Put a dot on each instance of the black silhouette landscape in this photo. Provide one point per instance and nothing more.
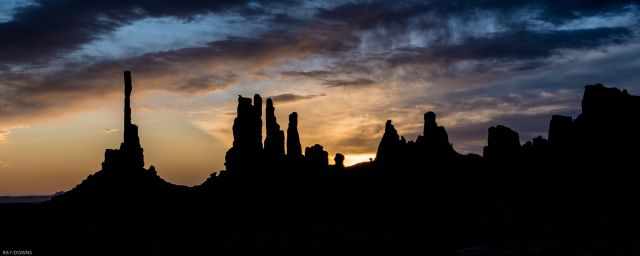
(574, 192)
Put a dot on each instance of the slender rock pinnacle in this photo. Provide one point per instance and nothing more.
(294, 148)
(274, 141)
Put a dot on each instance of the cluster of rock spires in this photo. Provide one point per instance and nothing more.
(606, 129)
(433, 145)
(248, 154)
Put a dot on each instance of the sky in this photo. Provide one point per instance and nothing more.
(345, 66)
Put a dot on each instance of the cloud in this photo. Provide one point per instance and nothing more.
(361, 139)
(111, 130)
(359, 82)
(46, 30)
(208, 82)
(515, 45)
(368, 14)
(290, 97)
(317, 74)
(187, 70)
(3, 135)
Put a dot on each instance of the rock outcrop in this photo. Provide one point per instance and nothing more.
(560, 131)
(274, 140)
(316, 157)
(502, 144)
(123, 178)
(257, 106)
(389, 145)
(247, 135)
(434, 137)
(338, 159)
(294, 148)
(608, 125)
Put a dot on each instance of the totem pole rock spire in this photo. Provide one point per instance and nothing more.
(130, 155)
(128, 87)
(130, 146)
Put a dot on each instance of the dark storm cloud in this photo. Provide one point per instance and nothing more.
(528, 36)
(49, 29)
(291, 97)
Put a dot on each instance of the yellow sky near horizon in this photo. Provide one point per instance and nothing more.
(186, 146)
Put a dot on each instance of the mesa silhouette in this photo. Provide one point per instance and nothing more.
(572, 193)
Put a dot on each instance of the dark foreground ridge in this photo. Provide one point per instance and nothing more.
(574, 193)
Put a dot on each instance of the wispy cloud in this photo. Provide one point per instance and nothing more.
(111, 130)
(358, 82)
(291, 97)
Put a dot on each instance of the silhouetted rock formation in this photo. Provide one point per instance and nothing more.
(274, 141)
(536, 149)
(247, 135)
(123, 176)
(560, 130)
(576, 191)
(600, 102)
(434, 137)
(430, 150)
(317, 157)
(503, 144)
(389, 145)
(608, 125)
(130, 154)
(339, 161)
(257, 105)
(294, 148)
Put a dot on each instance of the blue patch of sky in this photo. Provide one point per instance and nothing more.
(8, 8)
(628, 17)
(167, 33)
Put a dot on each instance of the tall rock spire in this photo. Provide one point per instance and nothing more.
(131, 148)
(130, 155)
(274, 141)
(294, 148)
(128, 87)
(257, 108)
